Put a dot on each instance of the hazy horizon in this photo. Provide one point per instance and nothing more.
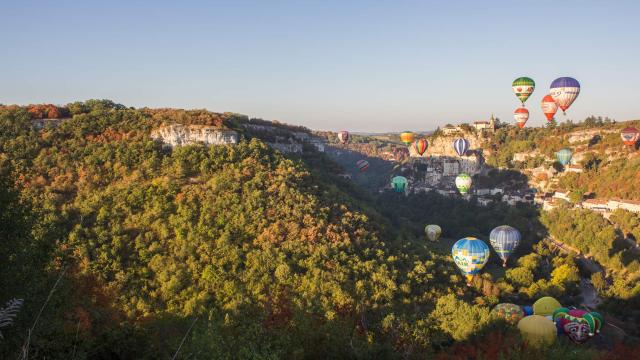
(384, 67)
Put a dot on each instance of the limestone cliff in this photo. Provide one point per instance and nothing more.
(178, 134)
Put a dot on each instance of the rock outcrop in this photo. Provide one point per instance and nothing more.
(178, 134)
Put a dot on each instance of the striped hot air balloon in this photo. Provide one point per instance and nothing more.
(463, 183)
(564, 92)
(523, 87)
(362, 165)
(433, 232)
(470, 254)
(549, 107)
(461, 146)
(399, 184)
(630, 136)
(407, 137)
(564, 156)
(343, 136)
(420, 146)
(504, 239)
(521, 115)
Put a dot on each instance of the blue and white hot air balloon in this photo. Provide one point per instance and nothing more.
(470, 254)
(504, 239)
(564, 91)
(564, 156)
(461, 146)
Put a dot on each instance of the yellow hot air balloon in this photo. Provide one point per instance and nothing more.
(537, 330)
(407, 137)
(545, 306)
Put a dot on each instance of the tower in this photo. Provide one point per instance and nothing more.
(492, 123)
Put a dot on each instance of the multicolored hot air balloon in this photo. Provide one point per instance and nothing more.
(343, 136)
(523, 87)
(538, 331)
(564, 91)
(420, 146)
(461, 146)
(362, 165)
(470, 254)
(521, 115)
(504, 239)
(399, 184)
(564, 156)
(578, 325)
(433, 232)
(512, 313)
(407, 137)
(463, 183)
(549, 107)
(630, 136)
(545, 306)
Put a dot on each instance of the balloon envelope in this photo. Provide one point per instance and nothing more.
(523, 88)
(545, 306)
(362, 165)
(461, 146)
(407, 137)
(463, 183)
(564, 156)
(504, 239)
(470, 255)
(578, 325)
(630, 136)
(433, 232)
(399, 184)
(538, 330)
(343, 136)
(564, 91)
(549, 107)
(420, 146)
(512, 313)
(521, 115)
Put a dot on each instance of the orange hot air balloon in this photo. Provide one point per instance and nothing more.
(521, 115)
(407, 137)
(549, 107)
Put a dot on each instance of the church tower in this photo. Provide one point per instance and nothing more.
(492, 123)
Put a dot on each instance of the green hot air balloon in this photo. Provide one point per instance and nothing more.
(523, 87)
(463, 183)
(433, 232)
(399, 184)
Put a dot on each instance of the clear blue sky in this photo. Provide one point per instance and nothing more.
(358, 65)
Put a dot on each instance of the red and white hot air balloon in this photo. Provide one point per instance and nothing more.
(630, 136)
(549, 107)
(521, 115)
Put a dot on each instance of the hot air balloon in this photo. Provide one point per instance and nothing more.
(463, 183)
(399, 184)
(564, 156)
(523, 87)
(433, 232)
(512, 313)
(343, 136)
(521, 115)
(545, 306)
(362, 165)
(578, 325)
(420, 146)
(537, 330)
(461, 146)
(549, 107)
(505, 240)
(630, 136)
(407, 137)
(564, 91)
(470, 254)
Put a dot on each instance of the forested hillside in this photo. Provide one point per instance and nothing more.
(134, 250)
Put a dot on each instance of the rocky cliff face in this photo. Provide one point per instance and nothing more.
(443, 145)
(177, 134)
